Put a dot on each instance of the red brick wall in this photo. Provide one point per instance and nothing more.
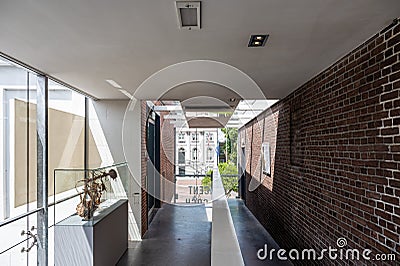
(167, 147)
(336, 165)
(167, 158)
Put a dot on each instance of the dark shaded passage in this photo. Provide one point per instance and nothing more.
(251, 235)
(177, 236)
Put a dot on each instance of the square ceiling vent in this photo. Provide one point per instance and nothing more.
(188, 15)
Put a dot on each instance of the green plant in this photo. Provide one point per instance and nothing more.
(228, 172)
(230, 145)
(207, 180)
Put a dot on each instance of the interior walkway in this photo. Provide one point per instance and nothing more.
(251, 235)
(178, 235)
(181, 235)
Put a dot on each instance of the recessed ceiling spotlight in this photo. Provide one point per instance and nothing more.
(114, 84)
(189, 16)
(258, 40)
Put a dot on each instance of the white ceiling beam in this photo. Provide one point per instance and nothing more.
(165, 108)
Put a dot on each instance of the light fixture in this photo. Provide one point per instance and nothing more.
(258, 40)
(232, 99)
(188, 13)
(113, 83)
(127, 94)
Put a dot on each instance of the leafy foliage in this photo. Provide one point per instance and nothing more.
(228, 172)
(230, 146)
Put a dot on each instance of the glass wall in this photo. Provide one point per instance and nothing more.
(99, 153)
(66, 131)
(17, 163)
(66, 146)
(76, 140)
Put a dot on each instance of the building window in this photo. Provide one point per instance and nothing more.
(195, 137)
(210, 136)
(181, 137)
(210, 154)
(181, 156)
(195, 154)
(181, 170)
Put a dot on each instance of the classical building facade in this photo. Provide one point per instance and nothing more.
(196, 151)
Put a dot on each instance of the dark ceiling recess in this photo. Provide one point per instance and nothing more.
(189, 17)
(258, 40)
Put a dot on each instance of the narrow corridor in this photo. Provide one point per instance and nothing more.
(178, 235)
(251, 235)
(181, 235)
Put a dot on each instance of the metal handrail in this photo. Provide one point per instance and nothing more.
(16, 218)
(13, 246)
(90, 169)
(24, 215)
(65, 199)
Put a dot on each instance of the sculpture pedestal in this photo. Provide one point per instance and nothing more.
(100, 241)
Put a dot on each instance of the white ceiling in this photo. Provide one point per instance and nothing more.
(194, 94)
(83, 43)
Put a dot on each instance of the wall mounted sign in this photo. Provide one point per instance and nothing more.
(266, 158)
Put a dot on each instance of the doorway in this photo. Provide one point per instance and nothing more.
(153, 164)
(242, 180)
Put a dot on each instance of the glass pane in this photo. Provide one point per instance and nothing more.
(14, 256)
(18, 245)
(66, 133)
(68, 199)
(11, 234)
(99, 153)
(18, 139)
(30, 243)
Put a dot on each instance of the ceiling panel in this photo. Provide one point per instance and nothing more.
(84, 43)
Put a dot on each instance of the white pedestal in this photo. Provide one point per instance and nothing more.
(101, 241)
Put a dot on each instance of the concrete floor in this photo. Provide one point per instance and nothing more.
(177, 236)
(251, 235)
(182, 236)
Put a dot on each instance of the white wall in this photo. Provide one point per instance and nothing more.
(110, 117)
(110, 114)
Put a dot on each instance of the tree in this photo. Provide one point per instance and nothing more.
(230, 146)
(229, 177)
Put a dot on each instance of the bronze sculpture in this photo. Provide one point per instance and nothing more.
(93, 189)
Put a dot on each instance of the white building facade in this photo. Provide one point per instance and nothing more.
(196, 151)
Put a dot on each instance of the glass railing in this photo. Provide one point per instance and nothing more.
(18, 245)
(192, 189)
(84, 197)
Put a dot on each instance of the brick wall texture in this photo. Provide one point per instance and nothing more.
(167, 147)
(335, 156)
(167, 157)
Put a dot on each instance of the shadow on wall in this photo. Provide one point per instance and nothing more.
(262, 200)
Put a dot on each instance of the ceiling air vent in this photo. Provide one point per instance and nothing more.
(188, 15)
